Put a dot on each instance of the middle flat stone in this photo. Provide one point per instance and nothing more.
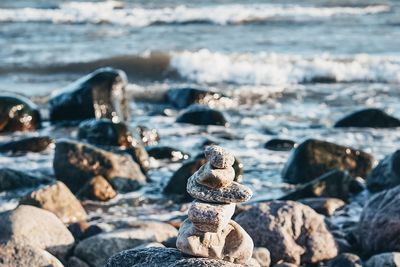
(210, 217)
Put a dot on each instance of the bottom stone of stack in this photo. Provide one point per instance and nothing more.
(232, 244)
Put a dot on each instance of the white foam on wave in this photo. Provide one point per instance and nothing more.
(276, 69)
(116, 13)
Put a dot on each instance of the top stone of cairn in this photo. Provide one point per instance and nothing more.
(218, 157)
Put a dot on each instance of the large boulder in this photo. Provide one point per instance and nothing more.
(201, 115)
(183, 97)
(105, 133)
(379, 225)
(18, 113)
(280, 144)
(389, 259)
(97, 249)
(100, 94)
(334, 184)
(291, 231)
(76, 164)
(28, 225)
(17, 255)
(386, 174)
(24, 145)
(371, 117)
(58, 199)
(11, 179)
(312, 158)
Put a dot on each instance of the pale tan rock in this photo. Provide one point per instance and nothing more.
(232, 244)
(210, 217)
(214, 178)
(219, 157)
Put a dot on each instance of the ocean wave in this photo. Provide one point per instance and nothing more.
(118, 13)
(275, 69)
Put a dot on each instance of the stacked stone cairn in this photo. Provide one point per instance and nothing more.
(209, 231)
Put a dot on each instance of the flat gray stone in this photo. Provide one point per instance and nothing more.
(234, 193)
(210, 217)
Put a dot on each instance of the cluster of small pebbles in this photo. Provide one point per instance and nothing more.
(209, 231)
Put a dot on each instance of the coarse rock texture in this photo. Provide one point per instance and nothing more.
(167, 152)
(219, 157)
(98, 188)
(214, 178)
(346, 260)
(28, 225)
(100, 94)
(334, 184)
(232, 244)
(262, 256)
(202, 262)
(210, 217)
(379, 225)
(200, 115)
(11, 179)
(386, 174)
(23, 255)
(150, 245)
(324, 206)
(18, 113)
(77, 163)
(390, 259)
(291, 231)
(58, 199)
(234, 193)
(280, 144)
(97, 249)
(371, 117)
(154, 257)
(27, 144)
(184, 97)
(105, 132)
(313, 158)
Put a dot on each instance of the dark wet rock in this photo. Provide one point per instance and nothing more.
(262, 256)
(24, 145)
(106, 134)
(390, 259)
(371, 117)
(291, 231)
(155, 257)
(22, 255)
(29, 225)
(18, 113)
(167, 152)
(100, 94)
(183, 97)
(11, 179)
(323, 205)
(280, 144)
(98, 188)
(149, 137)
(345, 260)
(200, 115)
(58, 199)
(76, 164)
(334, 184)
(97, 249)
(234, 193)
(379, 225)
(178, 182)
(386, 174)
(82, 230)
(312, 158)
(76, 262)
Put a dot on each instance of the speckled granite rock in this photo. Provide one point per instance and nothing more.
(215, 178)
(219, 157)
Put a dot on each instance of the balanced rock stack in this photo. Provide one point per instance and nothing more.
(209, 231)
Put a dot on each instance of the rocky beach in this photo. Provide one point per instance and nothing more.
(278, 148)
